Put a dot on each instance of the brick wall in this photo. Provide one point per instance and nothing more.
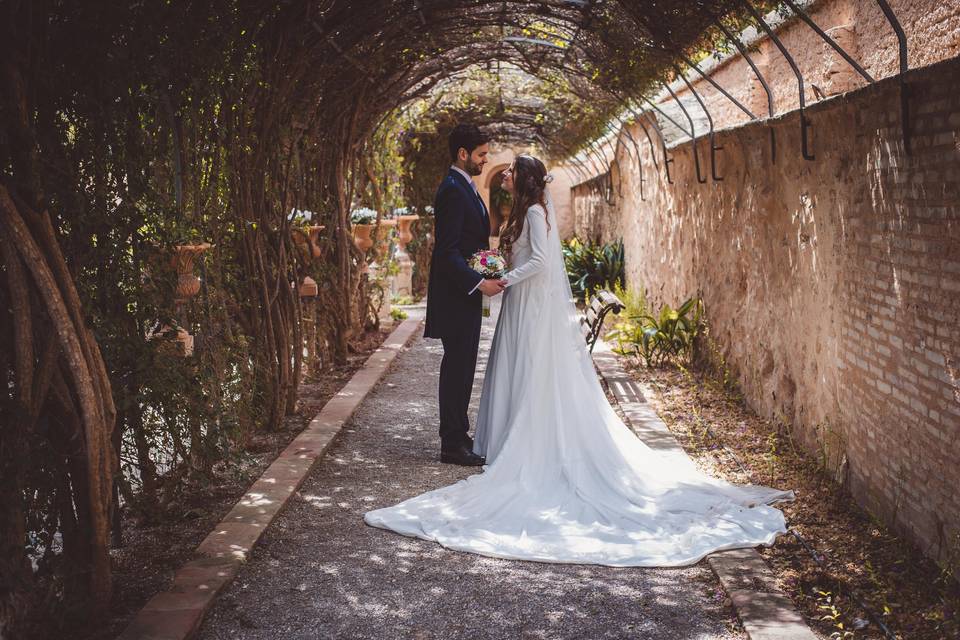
(901, 361)
(832, 286)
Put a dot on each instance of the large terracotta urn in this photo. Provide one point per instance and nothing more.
(307, 241)
(313, 235)
(184, 255)
(403, 283)
(404, 227)
(361, 236)
(188, 285)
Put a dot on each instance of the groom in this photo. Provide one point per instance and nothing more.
(462, 227)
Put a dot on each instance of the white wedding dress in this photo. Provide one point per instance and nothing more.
(566, 480)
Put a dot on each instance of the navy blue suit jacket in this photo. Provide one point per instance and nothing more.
(461, 228)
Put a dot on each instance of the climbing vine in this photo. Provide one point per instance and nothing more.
(128, 130)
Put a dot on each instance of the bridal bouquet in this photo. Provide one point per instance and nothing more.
(491, 265)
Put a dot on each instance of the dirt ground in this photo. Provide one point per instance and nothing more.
(857, 557)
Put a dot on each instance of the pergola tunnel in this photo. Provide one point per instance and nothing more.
(205, 207)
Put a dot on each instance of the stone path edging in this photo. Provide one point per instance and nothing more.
(175, 614)
(765, 611)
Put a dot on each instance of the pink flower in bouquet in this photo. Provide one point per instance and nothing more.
(489, 263)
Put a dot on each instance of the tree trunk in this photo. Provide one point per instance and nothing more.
(87, 377)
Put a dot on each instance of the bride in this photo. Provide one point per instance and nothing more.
(566, 480)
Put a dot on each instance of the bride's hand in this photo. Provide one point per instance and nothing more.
(503, 283)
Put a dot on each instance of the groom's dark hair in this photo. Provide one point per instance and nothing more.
(466, 136)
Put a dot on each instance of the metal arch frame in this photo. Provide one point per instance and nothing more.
(713, 147)
(592, 156)
(667, 160)
(622, 129)
(898, 30)
(904, 67)
(693, 132)
(638, 118)
(598, 154)
(586, 176)
(804, 122)
(803, 15)
(619, 131)
(717, 86)
(771, 108)
(760, 21)
(666, 115)
(578, 166)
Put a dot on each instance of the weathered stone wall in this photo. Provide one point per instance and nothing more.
(832, 286)
(595, 218)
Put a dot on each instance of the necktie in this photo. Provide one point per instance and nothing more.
(483, 207)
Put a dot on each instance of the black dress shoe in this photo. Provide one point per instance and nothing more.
(462, 456)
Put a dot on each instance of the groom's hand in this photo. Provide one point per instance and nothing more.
(491, 287)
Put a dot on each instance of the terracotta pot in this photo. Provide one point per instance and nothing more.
(188, 285)
(314, 238)
(308, 288)
(406, 234)
(307, 240)
(301, 241)
(361, 236)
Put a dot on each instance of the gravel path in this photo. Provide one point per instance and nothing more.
(320, 572)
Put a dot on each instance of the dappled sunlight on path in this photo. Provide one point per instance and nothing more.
(320, 572)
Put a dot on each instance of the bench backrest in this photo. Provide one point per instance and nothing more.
(591, 323)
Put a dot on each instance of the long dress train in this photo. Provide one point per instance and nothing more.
(566, 481)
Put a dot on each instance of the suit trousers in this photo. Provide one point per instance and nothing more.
(457, 371)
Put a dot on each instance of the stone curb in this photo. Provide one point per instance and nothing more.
(176, 614)
(766, 612)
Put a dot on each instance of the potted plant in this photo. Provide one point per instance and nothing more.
(306, 235)
(405, 219)
(362, 221)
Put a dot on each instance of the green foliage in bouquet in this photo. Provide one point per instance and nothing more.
(591, 267)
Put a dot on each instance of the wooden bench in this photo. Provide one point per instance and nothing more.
(591, 323)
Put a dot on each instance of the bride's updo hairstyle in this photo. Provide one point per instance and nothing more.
(529, 184)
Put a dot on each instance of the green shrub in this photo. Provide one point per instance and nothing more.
(655, 339)
(591, 267)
